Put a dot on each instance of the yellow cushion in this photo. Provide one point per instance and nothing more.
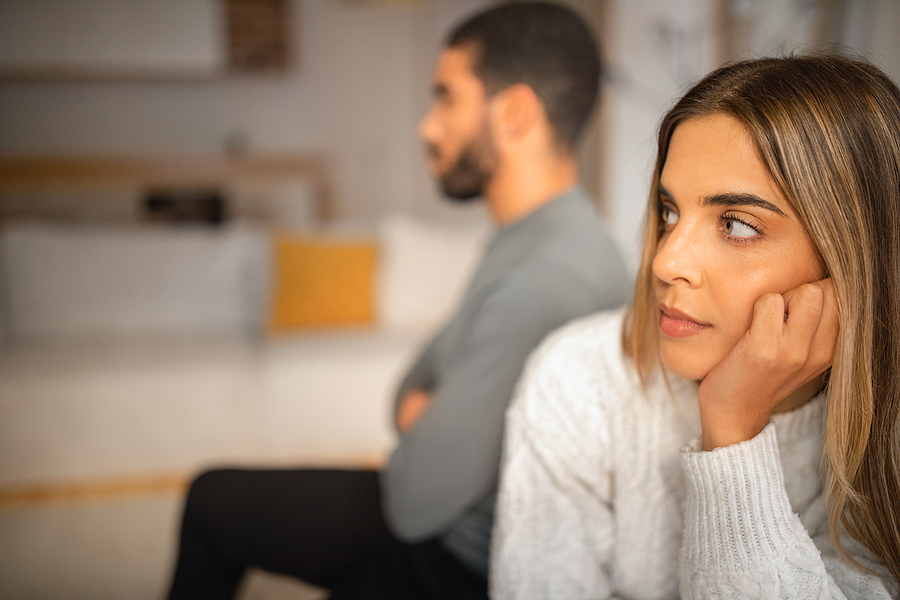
(321, 283)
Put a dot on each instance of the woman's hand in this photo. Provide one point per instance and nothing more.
(790, 343)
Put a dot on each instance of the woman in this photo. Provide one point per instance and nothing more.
(734, 433)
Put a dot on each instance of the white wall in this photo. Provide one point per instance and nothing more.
(884, 36)
(5, 313)
(359, 85)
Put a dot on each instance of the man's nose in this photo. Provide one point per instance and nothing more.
(426, 127)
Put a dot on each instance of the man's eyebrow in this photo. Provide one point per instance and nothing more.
(730, 199)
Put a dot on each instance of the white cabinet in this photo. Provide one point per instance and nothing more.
(112, 38)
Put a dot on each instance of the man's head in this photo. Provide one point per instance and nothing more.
(544, 47)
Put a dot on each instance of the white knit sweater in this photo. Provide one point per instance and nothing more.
(603, 494)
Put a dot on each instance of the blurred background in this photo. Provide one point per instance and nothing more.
(219, 243)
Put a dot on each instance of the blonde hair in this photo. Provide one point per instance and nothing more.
(828, 130)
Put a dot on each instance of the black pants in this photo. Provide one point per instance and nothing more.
(324, 527)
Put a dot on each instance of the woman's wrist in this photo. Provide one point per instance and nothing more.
(721, 427)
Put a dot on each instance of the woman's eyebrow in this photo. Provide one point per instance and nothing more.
(729, 199)
(740, 199)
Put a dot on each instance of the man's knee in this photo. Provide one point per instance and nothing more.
(211, 496)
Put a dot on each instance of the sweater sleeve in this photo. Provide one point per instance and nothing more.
(419, 377)
(449, 460)
(554, 523)
(743, 540)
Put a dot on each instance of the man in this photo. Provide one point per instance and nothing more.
(513, 88)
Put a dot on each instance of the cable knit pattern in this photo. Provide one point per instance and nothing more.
(604, 494)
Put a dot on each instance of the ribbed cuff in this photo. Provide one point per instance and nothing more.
(736, 505)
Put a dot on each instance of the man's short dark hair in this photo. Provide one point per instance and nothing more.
(545, 46)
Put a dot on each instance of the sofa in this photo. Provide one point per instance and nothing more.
(134, 353)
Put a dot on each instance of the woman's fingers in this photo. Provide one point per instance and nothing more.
(764, 339)
(825, 340)
(803, 313)
(811, 325)
(790, 342)
(797, 328)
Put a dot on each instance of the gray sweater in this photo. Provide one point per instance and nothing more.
(553, 265)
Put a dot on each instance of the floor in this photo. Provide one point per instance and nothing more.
(118, 548)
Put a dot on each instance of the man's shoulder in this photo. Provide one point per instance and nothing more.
(550, 275)
(577, 240)
(587, 240)
(586, 264)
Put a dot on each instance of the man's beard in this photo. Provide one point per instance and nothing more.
(473, 170)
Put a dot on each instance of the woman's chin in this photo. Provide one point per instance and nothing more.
(685, 369)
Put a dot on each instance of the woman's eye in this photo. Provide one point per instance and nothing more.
(667, 216)
(737, 229)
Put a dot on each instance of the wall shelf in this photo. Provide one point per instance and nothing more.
(89, 173)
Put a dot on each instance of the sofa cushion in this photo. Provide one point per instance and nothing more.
(424, 269)
(321, 282)
(96, 281)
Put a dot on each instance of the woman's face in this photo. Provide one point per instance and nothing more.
(729, 237)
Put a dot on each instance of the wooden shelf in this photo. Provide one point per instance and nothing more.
(51, 173)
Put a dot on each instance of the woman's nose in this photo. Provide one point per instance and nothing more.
(678, 256)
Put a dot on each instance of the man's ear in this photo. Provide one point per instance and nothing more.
(517, 110)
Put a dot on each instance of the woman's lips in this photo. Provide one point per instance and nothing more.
(676, 324)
